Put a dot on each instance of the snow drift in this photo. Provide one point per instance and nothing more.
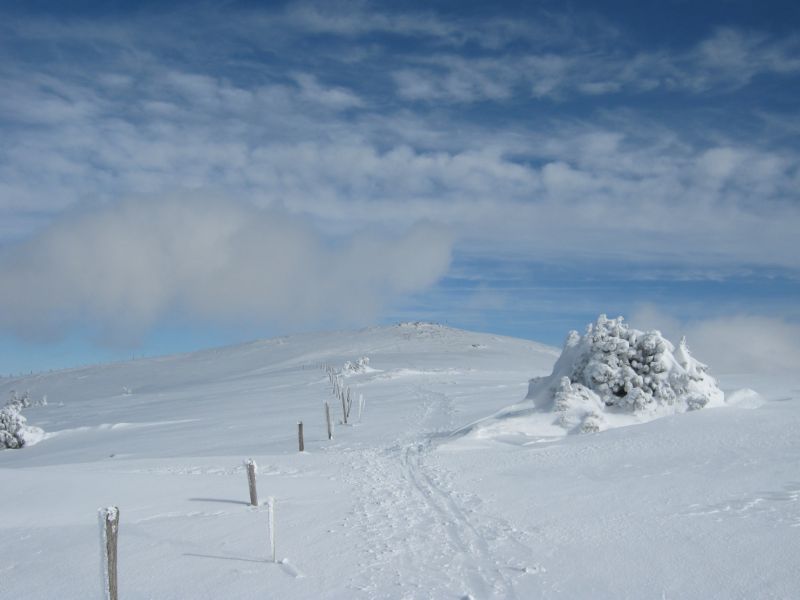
(616, 370)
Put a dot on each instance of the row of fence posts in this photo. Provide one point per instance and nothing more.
(344, 394)
(109, 516)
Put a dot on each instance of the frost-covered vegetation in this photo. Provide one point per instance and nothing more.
(13, 425)
(360, 366)
(616, 369)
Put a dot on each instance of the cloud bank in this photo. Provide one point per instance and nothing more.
(120, 268)
(741, 344)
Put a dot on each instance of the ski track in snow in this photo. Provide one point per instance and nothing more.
(413, 521)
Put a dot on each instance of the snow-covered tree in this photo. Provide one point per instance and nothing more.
(360, 366)
(614, 368)
(22, 401)
(13, 425)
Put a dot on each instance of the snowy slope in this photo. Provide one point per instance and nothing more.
(699, 505)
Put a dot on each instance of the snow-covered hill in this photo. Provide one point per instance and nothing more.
(696, 505)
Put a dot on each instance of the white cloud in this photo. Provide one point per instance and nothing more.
(118, 269)
(738, 344)
(357, 18)
(738, 56)
(354, 18)
(625, 187)
(616, 185)
(335, 98)
(454, 79)
(727, 60)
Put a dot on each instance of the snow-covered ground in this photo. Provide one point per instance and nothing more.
(407, 503)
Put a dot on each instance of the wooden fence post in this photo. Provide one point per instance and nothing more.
(328, 419)
(109, 532)
(344, 408)
(251, 480)
(300, 436)
(271, 504)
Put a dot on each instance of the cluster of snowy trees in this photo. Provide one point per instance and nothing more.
(614, 368)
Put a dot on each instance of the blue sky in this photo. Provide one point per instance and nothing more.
(184, 175)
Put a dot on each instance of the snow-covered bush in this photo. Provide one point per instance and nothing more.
(360, 366)
(614, 369)
(12, 427)
(22, 401)
(14, 431)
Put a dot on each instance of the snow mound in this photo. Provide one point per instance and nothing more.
(423, 330)
(745, 398)
(615, 370)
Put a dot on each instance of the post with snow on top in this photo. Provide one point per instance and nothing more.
(300, 442)
(109, 532)
(271, 505)
(251, 480)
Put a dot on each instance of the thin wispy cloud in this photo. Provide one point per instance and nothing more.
(727, 60)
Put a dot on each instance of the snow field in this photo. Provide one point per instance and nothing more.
(696, 505)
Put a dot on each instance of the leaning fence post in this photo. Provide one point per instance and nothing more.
(344, 408)
(300, 436)
(271, 504)
(109, 530)
(328, 419)
(251, 480)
